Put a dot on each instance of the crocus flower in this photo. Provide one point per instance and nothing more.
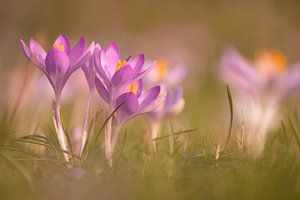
(172, 101)
(58, 64)
(261, 86)
(119, 83)
(90, 73)
(60, 61)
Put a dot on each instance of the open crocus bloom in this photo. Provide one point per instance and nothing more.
(60, 61)
(260, 86)
(115, 74)
(135, 101)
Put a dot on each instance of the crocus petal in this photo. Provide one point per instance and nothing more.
(137, 63)
(172, 100)
(129, 105)
(237, 72)
(82, 60)
(144, 71)
(63, 43)
(109, 58)
(57, 62)
(101, 72)
(139, 87)
(77, 51)
(148, 97)
(89, 72)
(289, 81)
(102, 90)
(122, 76)
(112, 55)
(176, 75)
(38, 54)
(25, 49)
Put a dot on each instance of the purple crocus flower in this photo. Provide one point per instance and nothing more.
(261, 86)
(172, 101)
(119, 83)
(58, 64)
(60, 61)
(90, 73)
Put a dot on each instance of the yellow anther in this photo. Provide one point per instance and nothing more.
(60, 47)
(133, 87)
(272, 61)
(161, 69)
(120, 64)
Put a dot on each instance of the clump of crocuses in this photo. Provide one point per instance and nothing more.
(118, 81)
(120, 84)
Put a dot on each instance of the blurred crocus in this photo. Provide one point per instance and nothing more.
(261, 86)
(90, 74)
(58, 64)
(119, 83)
(172, 101)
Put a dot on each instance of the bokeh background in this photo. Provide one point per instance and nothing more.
(194, 32)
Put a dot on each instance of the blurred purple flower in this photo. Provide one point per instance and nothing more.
(261, 86)
(265, 76)
(60, 61)
(119, 83)
(172, 104)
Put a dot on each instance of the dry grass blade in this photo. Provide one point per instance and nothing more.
(231, 115)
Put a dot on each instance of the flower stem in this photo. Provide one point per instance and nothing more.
(155, 129)
(171, 137)
(59, 128)
(107, 139)
(86, 122)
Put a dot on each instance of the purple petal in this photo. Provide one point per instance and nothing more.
(89, 72)
(25, 49)
(57, 62)
(237, 72)
(129, 105)
(289, 81)
(137, 63)
(77, 51)
(176, 75)
(101, 72)
(112, 55)
(82, 60)
(172, 98)
(102, 91)
(144, 71)
(148, 97)
(139, 87)
(63, 43)
(38, 54)
(122, 76)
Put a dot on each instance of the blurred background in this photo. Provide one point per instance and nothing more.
(193, 32)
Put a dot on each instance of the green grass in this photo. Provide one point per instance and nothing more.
(33, 167)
